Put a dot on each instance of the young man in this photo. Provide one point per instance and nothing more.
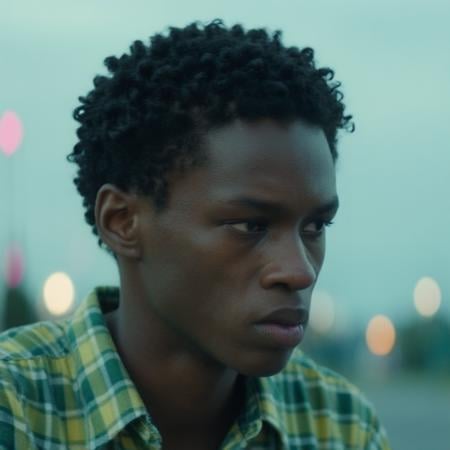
(206, 162)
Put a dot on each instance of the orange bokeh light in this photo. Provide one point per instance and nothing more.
(380, 335)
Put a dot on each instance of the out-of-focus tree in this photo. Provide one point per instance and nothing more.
(17, 308)
(425, 345)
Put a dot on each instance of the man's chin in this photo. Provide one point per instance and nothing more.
(266, 364)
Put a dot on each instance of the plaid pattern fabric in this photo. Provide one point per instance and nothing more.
(63, 386)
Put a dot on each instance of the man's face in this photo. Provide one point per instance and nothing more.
(241, 239)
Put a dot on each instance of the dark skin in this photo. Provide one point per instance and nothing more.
(196, 277)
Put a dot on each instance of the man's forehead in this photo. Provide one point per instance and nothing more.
(263, 133)
(266, 146)
(292, 163)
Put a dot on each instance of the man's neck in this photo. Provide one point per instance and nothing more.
(185, 395)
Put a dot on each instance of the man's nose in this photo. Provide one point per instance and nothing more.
(293, 267)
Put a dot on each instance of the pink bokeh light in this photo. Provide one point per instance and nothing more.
(11, 132)
(14, 266)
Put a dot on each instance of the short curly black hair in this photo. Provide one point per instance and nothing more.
(147, 118)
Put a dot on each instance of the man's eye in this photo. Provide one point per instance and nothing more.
(249, 226)
(316, 227)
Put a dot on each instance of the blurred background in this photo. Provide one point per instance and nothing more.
(381, 311)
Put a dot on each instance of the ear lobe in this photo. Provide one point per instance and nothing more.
(117, 221)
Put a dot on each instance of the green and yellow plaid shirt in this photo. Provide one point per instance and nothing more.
(64, 386)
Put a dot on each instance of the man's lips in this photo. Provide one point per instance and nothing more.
(287, 317)
(283, 328)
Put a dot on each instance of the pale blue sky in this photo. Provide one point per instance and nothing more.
(394, 61)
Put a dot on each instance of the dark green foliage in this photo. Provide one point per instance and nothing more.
(17, 308)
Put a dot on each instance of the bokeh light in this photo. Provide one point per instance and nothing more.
(380, 335)
(11, 132)
(59, 293)
(323, 315)
(14, 266)
(427, 296)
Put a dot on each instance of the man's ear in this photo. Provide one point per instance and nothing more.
(117, 221)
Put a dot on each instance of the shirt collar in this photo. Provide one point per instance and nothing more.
(109, 397)
(263, 406)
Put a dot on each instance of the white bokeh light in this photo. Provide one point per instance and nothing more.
(59, 293)
(323, 314)
(427, 296)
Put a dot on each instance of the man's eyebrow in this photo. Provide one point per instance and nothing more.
(329, 206)
(269, 206)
